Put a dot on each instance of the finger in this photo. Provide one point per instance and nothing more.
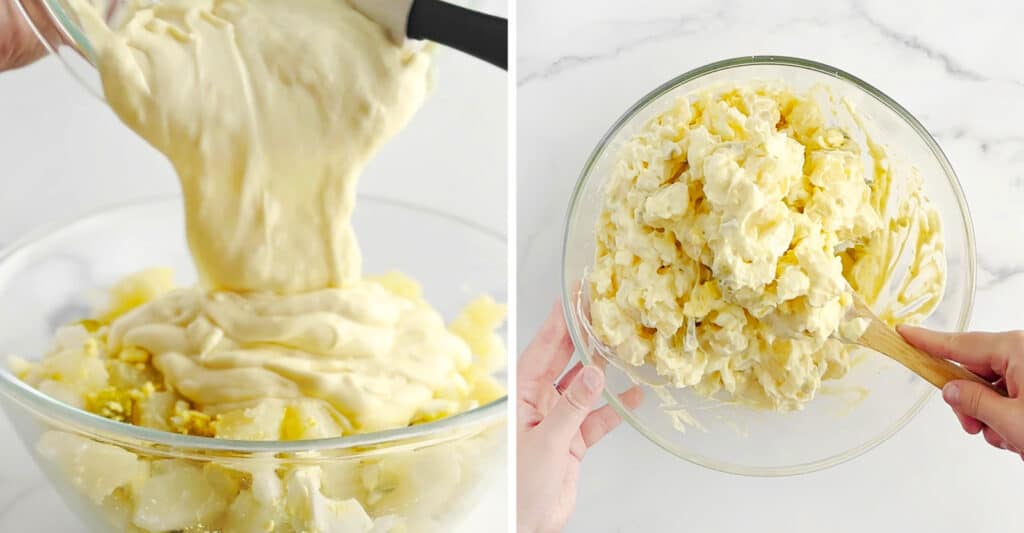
(602, 421)
(982, 403)
(632, 397)
(994, 438)
(985, 354)
(548, 401)
(563, 384)
(527, 416)
(578, 446)
(548, 353)
(598, 424)
(970, 425)
(572, 408)
(598, 359)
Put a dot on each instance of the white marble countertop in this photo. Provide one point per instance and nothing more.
(961, 74)
(64, 153)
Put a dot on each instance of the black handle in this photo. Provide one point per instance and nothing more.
(477, 34)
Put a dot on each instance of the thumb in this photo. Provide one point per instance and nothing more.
(565, 418)
(982, 403)
(983, 353)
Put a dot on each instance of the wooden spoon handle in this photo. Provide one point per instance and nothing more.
(938, 372)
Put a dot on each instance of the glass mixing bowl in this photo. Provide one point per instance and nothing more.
(57, 26)
(425, 477)
(849, 416)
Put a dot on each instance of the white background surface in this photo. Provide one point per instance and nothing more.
(959, 69)
(63, 153)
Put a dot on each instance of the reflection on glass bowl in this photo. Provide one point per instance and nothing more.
(118, 477)
(850, 415)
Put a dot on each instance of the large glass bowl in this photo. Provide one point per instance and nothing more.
(849, 416)
(422, 478)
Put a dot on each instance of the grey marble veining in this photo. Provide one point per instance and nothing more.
(655, 32)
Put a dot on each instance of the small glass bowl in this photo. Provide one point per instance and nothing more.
(56, 25)
(425, 477)
(850, 415)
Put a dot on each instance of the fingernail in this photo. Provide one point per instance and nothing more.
(591, 378)
(951, 393)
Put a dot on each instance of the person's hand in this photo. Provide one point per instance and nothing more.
(555, 426)
(997, 357)
(18, 45)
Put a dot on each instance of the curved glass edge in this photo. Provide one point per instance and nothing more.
(67, 25)
(74, 37)
(69, 36)
(787, 61)
(59, 413)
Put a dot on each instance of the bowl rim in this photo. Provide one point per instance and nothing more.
(68, 34)
(568, 291)
(55, 411)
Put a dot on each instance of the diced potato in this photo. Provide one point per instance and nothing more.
(134, 354)
(86, 374)
(62, 392)
(346, 515)
(309, 510)
(136, 290)
(311, 419)
(117, 508)
(155, 410)
(392, 524)
(399, 284)
(260, 422)
(71, 337)
(20, 366)
(343, 480)
(189, 421)
(179, 495)
(248, 515)
(456, 388)
(266, 485)
(94, 468)
(485, 389)
(223, 480)
(476, 325)
(425, 479)
(435, 409)
(125, 375)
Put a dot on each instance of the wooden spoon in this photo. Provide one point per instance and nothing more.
(883, 339)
